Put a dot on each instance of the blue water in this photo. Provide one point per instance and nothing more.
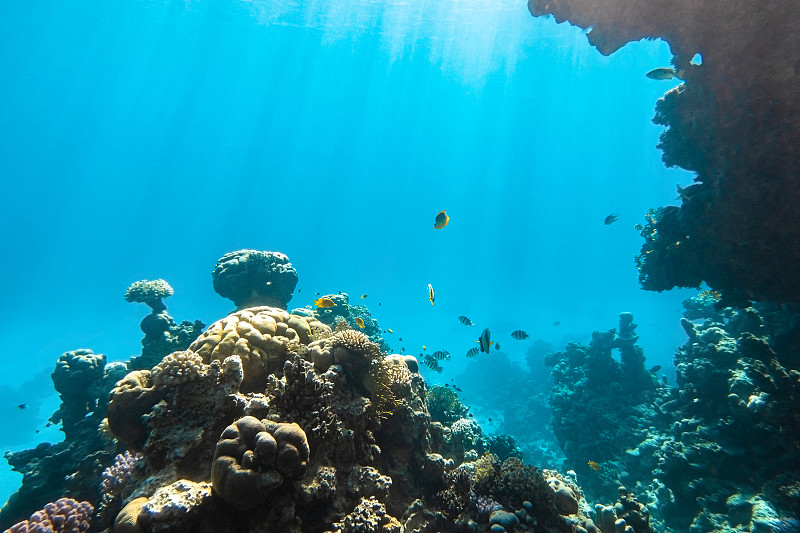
(145, 139)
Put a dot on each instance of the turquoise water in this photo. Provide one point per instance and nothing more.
(147, 139)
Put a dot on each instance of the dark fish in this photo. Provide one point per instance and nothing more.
(441, 354)
(471, 415)
(610, 219)
(431, 293)
(520, 335)
(446, 384)
(556, 323)
(456, 388)
(432, 363)
(664, 73)
(472, 352)
(441, 220)
(466, 321)
(398, 338)
(22, 406)
(655, 368)
(298, 291)
(363, 296)
(317, 294)
(484, 341)
(497, 346)
(490, 420)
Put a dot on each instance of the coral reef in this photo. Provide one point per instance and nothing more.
(161, 334)
(737, 226)
(343, 312)
(252, 278)
(65, 515)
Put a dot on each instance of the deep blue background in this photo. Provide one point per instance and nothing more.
(144, 139)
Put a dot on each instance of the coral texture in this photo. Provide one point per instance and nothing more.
(252, 278)
(65, 515)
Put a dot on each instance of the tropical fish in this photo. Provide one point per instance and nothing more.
(324, 303)
(497, 346)
(484, 341)
(359, 322)
(400, 339)
(22, 406)
(520, 335)
(363, 296)
(472, 352)
(441, 354)
(655, 368)
(431, 293)
(610, 219)
(458, 389)
(665, 73)
(390, 330)
(432, 363)
(594, 466)
(466, 321)
(441, 220)
(423, 347)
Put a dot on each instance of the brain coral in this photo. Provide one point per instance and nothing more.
(253, 278)
(253, 458)
(263, 337)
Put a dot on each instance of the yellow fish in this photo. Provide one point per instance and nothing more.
(593, 465)
(359, 322)
(431, 293)
(324, 303)
(363, 296)
(441, 220)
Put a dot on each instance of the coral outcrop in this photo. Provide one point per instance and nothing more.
(62, 516)
(252, 278)
(737, 226)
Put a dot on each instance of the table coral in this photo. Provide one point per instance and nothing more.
(253, 278)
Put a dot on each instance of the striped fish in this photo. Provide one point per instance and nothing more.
(432, 363)
(440, 354)
(466, 321)
(472, 352)
(484, 341)
(520, 335)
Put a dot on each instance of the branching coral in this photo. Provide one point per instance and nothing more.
(63, 515)
(444, 405)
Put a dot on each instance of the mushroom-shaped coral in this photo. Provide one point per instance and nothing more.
(65, 514)
(253, 458)
(263, 337)
(253, 278)
(151, 293)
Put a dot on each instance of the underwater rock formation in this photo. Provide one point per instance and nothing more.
(161, 334)
(738, 228)
(252, 278)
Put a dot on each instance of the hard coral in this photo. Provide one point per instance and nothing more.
(253, 458)
(252, 278)
(177, 368)
(65, 515)
(151, 293)
(263, 337)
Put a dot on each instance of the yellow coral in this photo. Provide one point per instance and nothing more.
(178, 367)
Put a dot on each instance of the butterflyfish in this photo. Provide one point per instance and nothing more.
(359, 322)
(594, 466)
(441, 220)
(431, 293)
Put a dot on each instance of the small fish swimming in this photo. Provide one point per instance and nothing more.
(665, 73)
(22, 406)
(556, 323)
(423, 347)
(400, 339)
(441, 354)
(484, 341)
(472, 352)
(432, 363)
(610, 219)
(441, 220)
(520, 335)
(466, 321)
(390, 330)
(594, 466)
(497, 346)
(431, 293)
(324, 303)
(655, 369)
(359, 322)
(363, 296)
(456, 388)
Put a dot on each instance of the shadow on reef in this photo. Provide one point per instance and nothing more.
(275, 421)
(717, 453)
(738, 227)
